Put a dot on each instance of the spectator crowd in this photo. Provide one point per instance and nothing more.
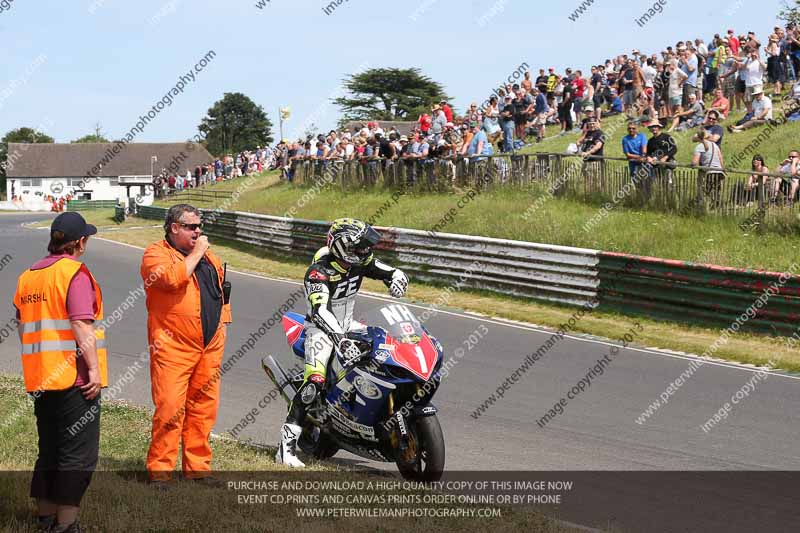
(691, 86)
(222, 168)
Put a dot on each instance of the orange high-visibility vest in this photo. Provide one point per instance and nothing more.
(49, 347)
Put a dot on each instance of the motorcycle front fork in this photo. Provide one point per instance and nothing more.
(403, 440)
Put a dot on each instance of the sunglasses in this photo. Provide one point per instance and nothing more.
(191, 227)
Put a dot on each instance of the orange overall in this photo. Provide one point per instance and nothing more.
(184, 374)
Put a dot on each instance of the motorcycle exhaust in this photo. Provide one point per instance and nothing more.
(279, 377)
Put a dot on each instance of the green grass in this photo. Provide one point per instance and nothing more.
(239, 187)
(499, 213)
(118, 498)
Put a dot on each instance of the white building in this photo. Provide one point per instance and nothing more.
(96, 171)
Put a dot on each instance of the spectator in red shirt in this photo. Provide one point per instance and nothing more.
(448, 111)
(578, 86)
(425, 122)
(734, 43)
(720, 104)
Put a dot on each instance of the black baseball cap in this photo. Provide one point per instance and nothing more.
(72, 226)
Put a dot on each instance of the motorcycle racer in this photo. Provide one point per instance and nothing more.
(331, 284)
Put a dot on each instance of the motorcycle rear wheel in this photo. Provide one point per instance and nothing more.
(429, 463)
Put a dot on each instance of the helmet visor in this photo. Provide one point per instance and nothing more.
(363, 248)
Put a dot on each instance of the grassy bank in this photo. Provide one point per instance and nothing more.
(745, 348)
(500, 213)
(119, 499)
(239, 188)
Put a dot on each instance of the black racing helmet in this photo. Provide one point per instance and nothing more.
(351, 241)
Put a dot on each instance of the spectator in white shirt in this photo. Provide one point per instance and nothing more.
(649, 72)
(762, 112)
(790, 172)
(754, 70)
(702, 49)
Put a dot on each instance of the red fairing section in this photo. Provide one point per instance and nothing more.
(292, 329)
(419, 359)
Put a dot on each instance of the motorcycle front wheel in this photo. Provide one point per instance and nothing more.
(426, 462)
(317, 443)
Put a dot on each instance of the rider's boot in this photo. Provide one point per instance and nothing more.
(287, 449)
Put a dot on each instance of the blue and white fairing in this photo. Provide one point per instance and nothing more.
(402, 353)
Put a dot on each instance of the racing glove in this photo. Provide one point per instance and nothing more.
(399, 284)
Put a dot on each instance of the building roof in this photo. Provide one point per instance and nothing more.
(45, 160)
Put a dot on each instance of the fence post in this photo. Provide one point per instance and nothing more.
(526, 172)
(556, 168)
(700, 196)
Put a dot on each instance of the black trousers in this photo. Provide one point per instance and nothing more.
(69, 442)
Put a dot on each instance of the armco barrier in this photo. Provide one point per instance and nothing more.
(84, 205)
(151, 213)
(699, 293)
(643, 286)
(553, 273)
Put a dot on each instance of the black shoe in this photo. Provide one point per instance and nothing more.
(74, 527)
(207, 481)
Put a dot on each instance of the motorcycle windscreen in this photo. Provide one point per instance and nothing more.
(411, 347)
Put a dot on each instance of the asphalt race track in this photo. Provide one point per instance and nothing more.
(597, 430)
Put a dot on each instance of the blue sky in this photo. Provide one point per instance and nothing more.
(66, 68)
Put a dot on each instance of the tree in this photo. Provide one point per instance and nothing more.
(96, 137)
(790, 13)
(389, 94)
(19, 135)
(91, 138)
(311, 131)
(235, 123)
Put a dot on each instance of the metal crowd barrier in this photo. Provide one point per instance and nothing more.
(672, 188)
(85, 205)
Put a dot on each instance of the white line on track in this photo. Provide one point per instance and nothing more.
(537, 329)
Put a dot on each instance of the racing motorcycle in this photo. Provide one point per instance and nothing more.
(377, 405)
